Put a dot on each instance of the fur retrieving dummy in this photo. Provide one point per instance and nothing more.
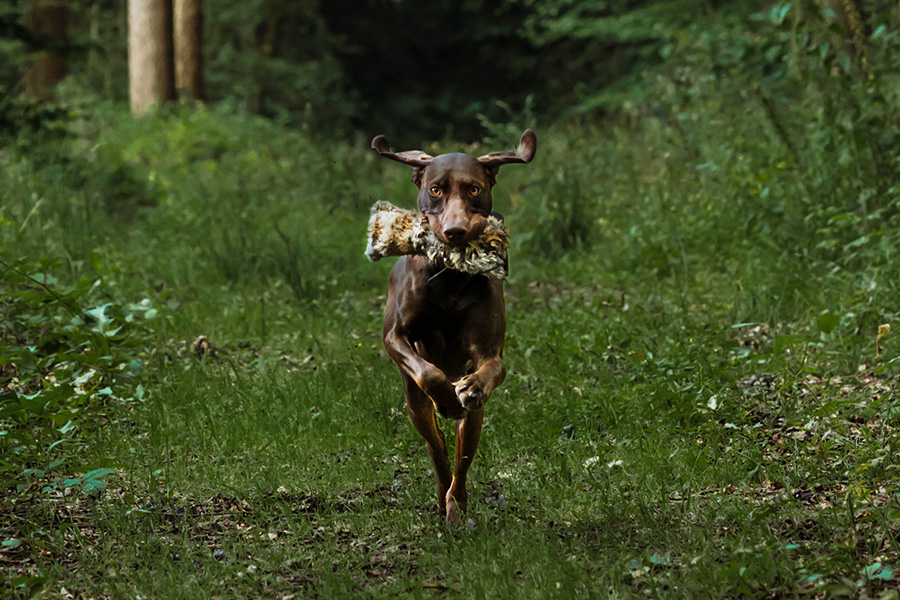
(396, 232)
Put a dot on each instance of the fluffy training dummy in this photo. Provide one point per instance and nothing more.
(397, 232)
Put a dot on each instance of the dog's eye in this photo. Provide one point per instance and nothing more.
(475, 190)
(435, 190)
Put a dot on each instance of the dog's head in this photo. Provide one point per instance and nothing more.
(455, 189)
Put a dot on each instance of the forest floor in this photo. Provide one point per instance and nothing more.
(689, 412)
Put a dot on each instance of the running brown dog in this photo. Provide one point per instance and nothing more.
(445, 329)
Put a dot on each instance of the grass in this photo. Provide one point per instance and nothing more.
(695, 404)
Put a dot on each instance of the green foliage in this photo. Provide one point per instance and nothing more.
(684, 405)
(61, 366)
(13, 53)
(276, 58)
(255, 191)
(702, 341)
(819, 177)
(599, 52)
(830, 119)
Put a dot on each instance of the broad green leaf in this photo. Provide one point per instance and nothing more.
(878, 570)
(843, 60)
(99, 316)
(96, 474)
(827, 322)
(56, 462)
(93, 488)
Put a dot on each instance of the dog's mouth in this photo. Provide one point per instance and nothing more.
(459, 236)
(456, 242)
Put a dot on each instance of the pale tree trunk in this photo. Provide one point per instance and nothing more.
(47, 19)
(150, 63)
(188, 37)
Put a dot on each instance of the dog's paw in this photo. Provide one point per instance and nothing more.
(453, 516)
(470, 393)
(456, 508)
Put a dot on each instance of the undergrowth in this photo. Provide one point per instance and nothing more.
(701, 399)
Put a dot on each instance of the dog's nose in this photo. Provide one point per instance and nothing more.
(455, 233)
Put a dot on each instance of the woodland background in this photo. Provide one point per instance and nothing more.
(702, 398)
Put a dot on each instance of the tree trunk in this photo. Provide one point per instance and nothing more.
(150, 50)
(188, 37)
(47, 19)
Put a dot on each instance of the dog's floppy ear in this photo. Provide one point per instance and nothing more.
(523, 154)
(416, 159)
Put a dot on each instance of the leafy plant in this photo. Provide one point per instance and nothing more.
(61, 364)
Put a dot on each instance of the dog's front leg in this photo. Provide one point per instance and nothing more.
(424, 384)
(428, 377)
(473, 390)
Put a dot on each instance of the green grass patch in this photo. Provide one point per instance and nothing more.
(699, 401)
